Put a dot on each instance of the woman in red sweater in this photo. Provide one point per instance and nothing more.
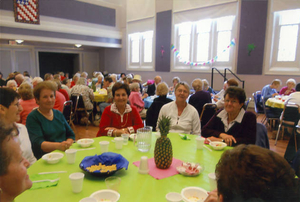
(119, 117)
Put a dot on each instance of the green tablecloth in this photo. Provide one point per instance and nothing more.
(134, 186)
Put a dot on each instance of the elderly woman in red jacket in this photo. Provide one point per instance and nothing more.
(119, 118)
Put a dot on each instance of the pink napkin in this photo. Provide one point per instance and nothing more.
(161, 173)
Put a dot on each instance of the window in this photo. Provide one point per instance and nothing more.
(201, 41)
(141, 50)
(284, 46)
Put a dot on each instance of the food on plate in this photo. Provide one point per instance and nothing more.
(189, 169)
(105, 200)
(102, 168)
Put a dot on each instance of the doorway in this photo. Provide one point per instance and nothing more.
(53, 63)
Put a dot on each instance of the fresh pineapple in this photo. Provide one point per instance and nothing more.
(163, 154)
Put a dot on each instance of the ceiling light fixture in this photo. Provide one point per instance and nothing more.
(78, 45)
(19, 41)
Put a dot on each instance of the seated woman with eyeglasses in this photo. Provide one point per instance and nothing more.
(184, 117)
(233, 124)
(119, 117)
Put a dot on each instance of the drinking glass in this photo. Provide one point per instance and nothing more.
(144, 137)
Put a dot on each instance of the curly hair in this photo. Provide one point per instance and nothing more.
(119, 85)
(26, 91)
(252, 172)
(236, 92)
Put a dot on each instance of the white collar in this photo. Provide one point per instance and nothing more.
(224, 116)
(114, 109)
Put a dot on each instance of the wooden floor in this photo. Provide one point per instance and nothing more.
(280, 148)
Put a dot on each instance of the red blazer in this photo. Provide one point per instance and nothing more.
(109, 118)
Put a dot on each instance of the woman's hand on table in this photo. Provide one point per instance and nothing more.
(212, 196)
(118, 132)
(212, 138)
(274, 94)
(227, 138)
(63, 146)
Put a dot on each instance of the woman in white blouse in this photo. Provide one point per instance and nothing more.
(184, 117)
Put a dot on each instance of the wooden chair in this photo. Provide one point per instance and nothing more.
(209, 109)
(68, 113)
(289, 118)
(270, 116)
(80, 108)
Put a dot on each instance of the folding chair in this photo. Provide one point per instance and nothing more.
(289, 118)
(270, 116)
(257, 106)
(80, 108)
(262, 138)
(68, 113)
(209, 109)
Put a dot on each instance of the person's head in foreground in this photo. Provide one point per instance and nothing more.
(234, 99)
(253, 173)
(13, 167)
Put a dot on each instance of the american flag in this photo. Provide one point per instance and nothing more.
(26, 11)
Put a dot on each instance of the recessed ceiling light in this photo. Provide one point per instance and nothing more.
(19, 41)
(78, 45)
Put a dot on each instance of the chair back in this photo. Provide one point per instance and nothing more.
(209, 109)
(68, 110)
(257, 102)
(78, 102)
(290, 113)
(262, 139)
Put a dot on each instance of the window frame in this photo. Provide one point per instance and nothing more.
(271, 65)
(141, 65)
(180, 67)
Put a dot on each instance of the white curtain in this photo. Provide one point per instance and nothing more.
(203, 13)
(183, 5)
(140, 25)
(280, 5)
(140, 9)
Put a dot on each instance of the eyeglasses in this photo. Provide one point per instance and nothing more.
(232, 101)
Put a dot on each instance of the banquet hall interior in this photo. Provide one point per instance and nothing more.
(251, 41)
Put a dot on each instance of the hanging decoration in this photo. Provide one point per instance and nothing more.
(214, 59)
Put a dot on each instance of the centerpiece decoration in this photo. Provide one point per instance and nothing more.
(163, 153)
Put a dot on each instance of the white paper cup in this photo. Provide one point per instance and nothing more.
(174, 197)
(200, 142)
(125, 138)
(76, 181)
(104, 146)
(71, 155)
(212, 181)
(118, 142)
(144, 168)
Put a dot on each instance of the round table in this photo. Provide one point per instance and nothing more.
(100, 97)
(275, 103)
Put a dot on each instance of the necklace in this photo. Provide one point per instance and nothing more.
(125, 120)
(49, 117)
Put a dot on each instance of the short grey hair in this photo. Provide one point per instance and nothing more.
(176, 78)
(197, 84)
(81, 81)
(37, 79)
(162, 89)
(205, 84)
(84, 74)
(134, 86)
(11, 82)
(291, 81)
(184, 84)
